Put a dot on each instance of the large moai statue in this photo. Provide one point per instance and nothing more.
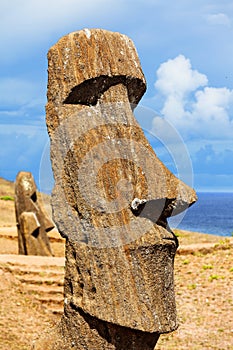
(111, 199)
(32, 220)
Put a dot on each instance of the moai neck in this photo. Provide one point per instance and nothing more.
(111, 199)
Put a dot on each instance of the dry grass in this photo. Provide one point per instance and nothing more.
(204, 292)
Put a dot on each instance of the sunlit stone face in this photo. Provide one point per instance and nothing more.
(112, 195)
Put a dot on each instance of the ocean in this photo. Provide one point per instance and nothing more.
(212, 213)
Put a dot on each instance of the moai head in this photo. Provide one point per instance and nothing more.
(32, 221)
(112, 195)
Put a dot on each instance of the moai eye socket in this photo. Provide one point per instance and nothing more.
(36, 232)
(34, 197)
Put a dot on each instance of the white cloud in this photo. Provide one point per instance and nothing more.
(177, 78)
(213, 103)
(211, 112)
(218, 19)
(196, 110)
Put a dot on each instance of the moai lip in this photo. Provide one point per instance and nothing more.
(112, 197)
(32, 220)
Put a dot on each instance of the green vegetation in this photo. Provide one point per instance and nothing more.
(7, 198)
(220, 330)
(186, 261)
(215, 277)
(198, 254)
(192, 286)
(207, 267)
(178, 234)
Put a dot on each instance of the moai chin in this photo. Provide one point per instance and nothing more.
(32, 220)
(111, 199)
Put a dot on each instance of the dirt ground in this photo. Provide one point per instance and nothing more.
(31, 289)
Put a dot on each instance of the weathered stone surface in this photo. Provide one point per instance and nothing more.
(32, 221)
(79, 330)
(111, 199)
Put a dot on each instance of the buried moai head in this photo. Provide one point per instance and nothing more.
(32, 221)
(112, 195)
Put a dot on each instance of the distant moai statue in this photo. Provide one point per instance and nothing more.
(32, 220)
(111, 199)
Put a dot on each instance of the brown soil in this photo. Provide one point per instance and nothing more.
(31, 289)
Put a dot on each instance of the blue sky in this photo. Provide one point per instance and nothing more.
(186, 51)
